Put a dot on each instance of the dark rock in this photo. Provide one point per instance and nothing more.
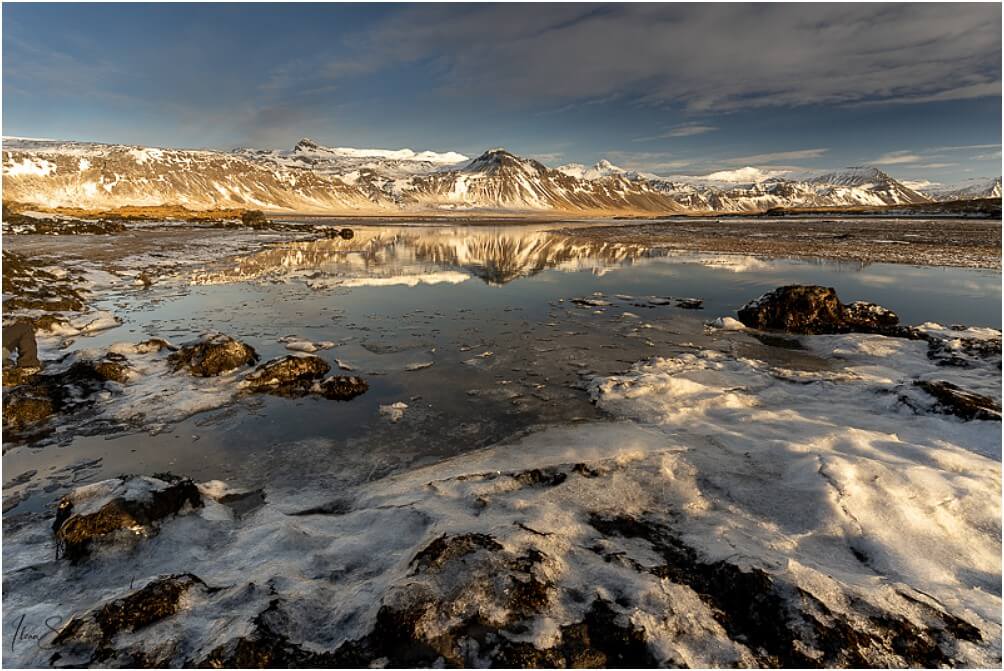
(290, 375)
(445, 548)
(17, 375)
(814, 309)
(796, 309)
(862, 315)
(346, 234)
(50, 322)
(342, 387)
(156, 601)
(26, 406)
(690, 303)
(963, 352)
(213, 354)
(44, 394)
(155, 345)
(98, 510)
(254, 218)
(953, 400)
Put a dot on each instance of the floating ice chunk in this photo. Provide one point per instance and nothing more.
(98, 321)
(395, 411)
(726, 324)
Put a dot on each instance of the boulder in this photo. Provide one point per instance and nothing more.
(341, 387)
(812, 309)
(213, 354)
(290, 375)
(865, 316)
(26, 406)
(88, 637)
(135, 504)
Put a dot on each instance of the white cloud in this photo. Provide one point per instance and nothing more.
(918, 184)
(896, 158)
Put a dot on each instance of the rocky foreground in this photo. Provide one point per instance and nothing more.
(733, 512)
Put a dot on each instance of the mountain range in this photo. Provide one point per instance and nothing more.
(312, 178)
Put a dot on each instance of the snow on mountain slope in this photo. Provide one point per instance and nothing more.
(347, 161)
(88, 175)
(980, 187)
(500, 180)
(313, 178)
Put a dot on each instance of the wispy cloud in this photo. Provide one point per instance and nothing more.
(683, 130)
(647, 161)
(773, 157)
(763, 55)
(896, 158)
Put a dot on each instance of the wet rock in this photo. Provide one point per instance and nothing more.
(690, 303)
(865, 316)
(963, 351)
(28, 286)
(796, 309)
(25, 407)
(814, 309)
(155, 345)
(290, 375)
(136, 504)
(954, 400)
(46, 393)
(213, 354)
(112, 368)
(90, 635)
(51, 323)
(446, 548)
(16, 375)
(342, 387)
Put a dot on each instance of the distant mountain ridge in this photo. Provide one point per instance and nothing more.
(312, 178)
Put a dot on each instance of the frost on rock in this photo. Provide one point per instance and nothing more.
(290, 375)
(213, 354)
(62, 389)
(135, 505)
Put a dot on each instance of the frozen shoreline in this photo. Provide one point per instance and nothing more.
(856, 508)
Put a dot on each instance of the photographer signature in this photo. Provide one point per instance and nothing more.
(23, 633)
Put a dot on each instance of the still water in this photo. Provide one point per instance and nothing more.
(474, 329)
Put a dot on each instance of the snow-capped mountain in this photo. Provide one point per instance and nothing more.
(980, 187)
(346, 160)
(313, 178)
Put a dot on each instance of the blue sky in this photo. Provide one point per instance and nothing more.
(671, 89)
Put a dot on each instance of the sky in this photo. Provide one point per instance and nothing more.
(673, 89)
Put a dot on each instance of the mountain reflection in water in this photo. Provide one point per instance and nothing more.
(417, 255)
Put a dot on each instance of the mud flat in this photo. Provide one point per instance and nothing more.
(967, 243)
